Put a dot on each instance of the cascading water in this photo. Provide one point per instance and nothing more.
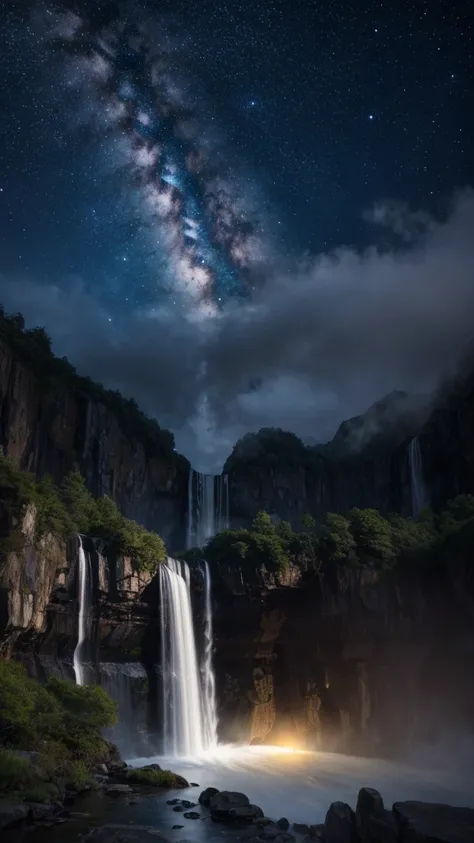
(84, 604)
(208, 507)
(208, 680)
(418, 490)
(184, 718)
(126, 683)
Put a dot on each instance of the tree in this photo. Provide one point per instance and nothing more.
(78, 501)
(373, 536)
(337, 542)
(262, 523)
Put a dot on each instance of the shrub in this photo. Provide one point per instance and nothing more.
(153, 778)
(15, 773)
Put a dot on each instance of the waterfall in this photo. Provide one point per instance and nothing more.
(208, 507)
(183, 706)
(208, 680)
(84, 605)
(418, 491)
(127, 684)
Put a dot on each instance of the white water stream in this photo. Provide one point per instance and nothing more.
(189, 719)
(84, 601)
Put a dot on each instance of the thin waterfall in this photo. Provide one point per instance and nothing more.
(208, 679)
(183, 709)
(84, 606)
(208, 507)
(418, 490)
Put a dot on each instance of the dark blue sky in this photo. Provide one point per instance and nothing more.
(185, 155)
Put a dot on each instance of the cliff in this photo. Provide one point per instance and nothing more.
(350, 660)
(366, 465)
(47, 424)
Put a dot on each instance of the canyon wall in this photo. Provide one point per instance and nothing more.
(351, 660)
(274, 471)
(47, 429)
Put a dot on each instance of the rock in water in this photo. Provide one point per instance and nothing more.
(339, 825)
(118, 789)
(369, 804)
(283, 824)
(245, 814)
(192, 815)
(430, 822)
(12, 813)
(207, 795)
(221, 804)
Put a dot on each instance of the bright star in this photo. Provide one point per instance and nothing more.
(371, 116)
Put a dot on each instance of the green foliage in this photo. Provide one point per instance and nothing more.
(337, 543)
(460, 510)
(373, 536)
(263, 546)
(61, 721)
(153, 778)
(72, 509)
(15, 773)
(33, 348)
(77, 501)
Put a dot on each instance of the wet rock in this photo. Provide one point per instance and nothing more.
(430, 822)
(118, 789)
(151, 767)
(283, 824)
(222, 802)
(99, 778)
(179, 809)
(369, 804)
(194, 784)
(339, 825)
(12, 813)
(207, 795)
(39, 810)
(175, 827)
(270, 832)
(316, 832)
(383, 826)
(172, 801)
(245, 814)
(186, 804)
(192, 815)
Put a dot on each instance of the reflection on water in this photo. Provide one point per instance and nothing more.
(295, 784)
(301, 785)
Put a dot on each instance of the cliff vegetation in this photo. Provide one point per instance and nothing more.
(362, 539)
(50, 735)
(67, 510)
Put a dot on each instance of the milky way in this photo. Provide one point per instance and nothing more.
(193, 211)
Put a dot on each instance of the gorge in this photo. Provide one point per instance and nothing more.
(357, 660)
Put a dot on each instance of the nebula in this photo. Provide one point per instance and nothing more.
(193, 211)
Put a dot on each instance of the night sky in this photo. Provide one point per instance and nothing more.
(191, 175)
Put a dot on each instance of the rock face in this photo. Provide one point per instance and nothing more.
(352, 660)
(47, 431)
(273, 471)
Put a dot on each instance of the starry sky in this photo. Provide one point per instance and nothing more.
(212, 205)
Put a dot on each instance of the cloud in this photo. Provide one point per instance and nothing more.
(318, 346)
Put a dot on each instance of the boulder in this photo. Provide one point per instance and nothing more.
(151, 767)
(102, 770)
(40, 810)
(118, 789)
(316, 832)
(187, 804)
(221, 803)
(270, 832)
(207, 795)
(12, 813)
(245, 814)
(301, 828)
(176, 827)
(192, 815)
(383, 827)
(339, 825)
(430, 822)
(369, 804)
(283, 824)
